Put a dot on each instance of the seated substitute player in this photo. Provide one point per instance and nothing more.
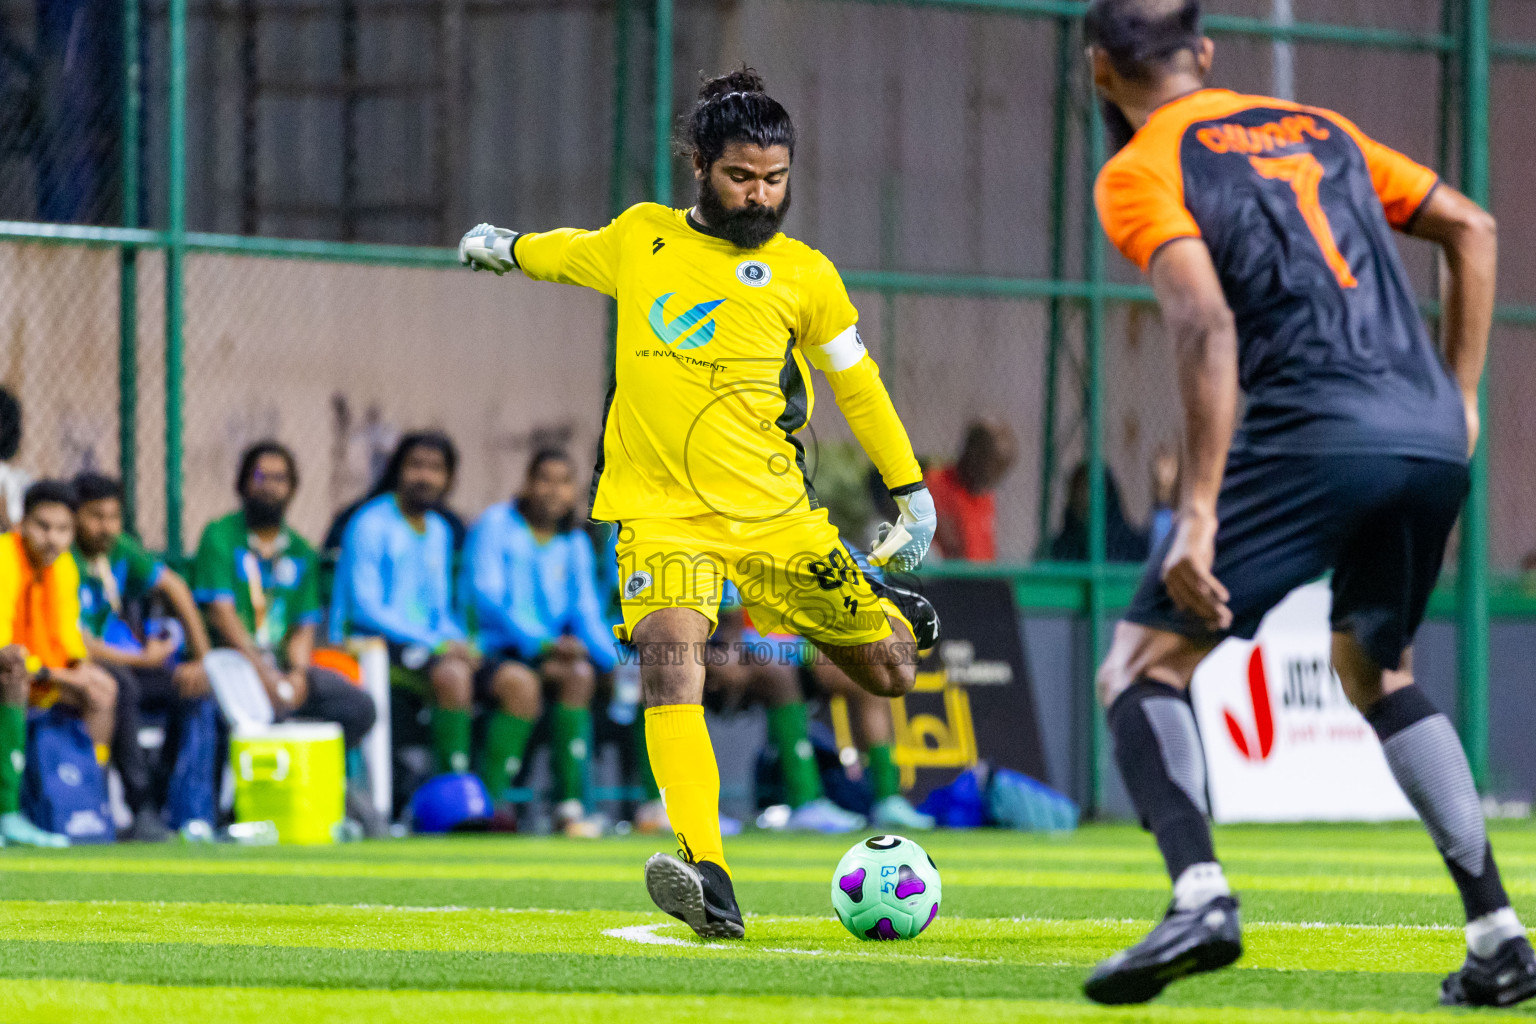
(719, 314)
(744, 668)
(117, 580)
(40, 621)
(395, 580)
(747, 666)
(530, 585)
(1266, 229)
(874, 732)
(258, 583)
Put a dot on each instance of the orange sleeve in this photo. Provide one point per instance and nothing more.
(1401, 183)
(1141, 206)
(66, 577)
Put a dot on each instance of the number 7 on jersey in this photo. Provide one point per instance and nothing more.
(1304, 174)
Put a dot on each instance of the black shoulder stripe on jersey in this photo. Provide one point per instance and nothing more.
(702, 228)
(796, 412)
(1413, 217)
(602, 444)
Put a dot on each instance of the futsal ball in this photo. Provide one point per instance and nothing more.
(886, 887)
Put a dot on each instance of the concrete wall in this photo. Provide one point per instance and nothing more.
(925, 142)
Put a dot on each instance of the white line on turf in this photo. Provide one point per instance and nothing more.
(1252, 925)
(645, 934)
(456, 909)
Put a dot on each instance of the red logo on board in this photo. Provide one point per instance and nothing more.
(1258, 746)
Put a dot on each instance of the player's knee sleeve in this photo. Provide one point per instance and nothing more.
(1427, 761)
(1158, 751)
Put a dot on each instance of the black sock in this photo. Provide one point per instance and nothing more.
(1427, 760)
(1158, 750)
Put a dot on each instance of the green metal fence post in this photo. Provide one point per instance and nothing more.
(1093, 243)
(175, 254)
(1446, 97)
(620, 151)
(661, 172)
(128, 272)
(1054, 336)
(1472, 574)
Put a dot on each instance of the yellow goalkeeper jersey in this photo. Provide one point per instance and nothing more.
(710, 385)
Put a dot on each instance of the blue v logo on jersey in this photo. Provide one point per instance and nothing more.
(674, 333)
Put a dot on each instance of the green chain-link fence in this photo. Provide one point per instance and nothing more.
(947, 152)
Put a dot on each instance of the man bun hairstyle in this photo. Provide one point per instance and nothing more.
(1142, 36)
(49, 492)
(734, 107)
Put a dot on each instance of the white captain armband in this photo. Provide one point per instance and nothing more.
(840, 353)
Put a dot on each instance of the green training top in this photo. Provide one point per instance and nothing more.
(271, 595)
(122, 577)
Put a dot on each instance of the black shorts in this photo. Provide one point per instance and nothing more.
(1379, 522)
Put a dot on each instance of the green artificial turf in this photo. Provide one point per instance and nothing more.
(1342, 924)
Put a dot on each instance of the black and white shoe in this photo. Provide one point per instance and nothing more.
(917, 608)
(1504, 979)
(697, 893)
(1185, 942)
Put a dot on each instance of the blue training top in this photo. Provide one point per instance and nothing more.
(524, 593)
(394, 581)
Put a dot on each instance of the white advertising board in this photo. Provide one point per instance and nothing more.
(1282, 743)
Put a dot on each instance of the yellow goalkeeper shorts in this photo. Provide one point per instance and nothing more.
(793, 572)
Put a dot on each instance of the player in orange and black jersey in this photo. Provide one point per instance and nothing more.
(1266, 227)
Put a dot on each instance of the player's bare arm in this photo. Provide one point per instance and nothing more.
(1468, 240)
(1204, 337)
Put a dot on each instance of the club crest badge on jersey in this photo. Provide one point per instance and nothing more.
(753, 273)
(637, 584)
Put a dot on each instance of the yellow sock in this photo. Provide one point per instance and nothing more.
(103, 754)
(684, 765)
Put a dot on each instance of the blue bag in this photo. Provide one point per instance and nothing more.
(64, 789)
(450, 801)
(1018, 801)
(959, 804)
(191, 793)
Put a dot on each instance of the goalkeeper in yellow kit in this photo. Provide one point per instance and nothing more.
(719, 317)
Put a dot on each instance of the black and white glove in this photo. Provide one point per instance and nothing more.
(903, 544)
(487, 247)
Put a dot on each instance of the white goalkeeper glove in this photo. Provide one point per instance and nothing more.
(486, 247)
(904, 544)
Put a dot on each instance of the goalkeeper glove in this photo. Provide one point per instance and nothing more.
(485, 247)
(904, 544)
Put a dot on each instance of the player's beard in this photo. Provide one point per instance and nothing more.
(418, 497)
(263, 513)
(746, 228)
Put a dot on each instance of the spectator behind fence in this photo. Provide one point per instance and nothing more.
(14, 480)
(963, 492)
(40, 624)
(118, 579)
(395, 580)
(258, 583)
(530, 585)
(1122, 541)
